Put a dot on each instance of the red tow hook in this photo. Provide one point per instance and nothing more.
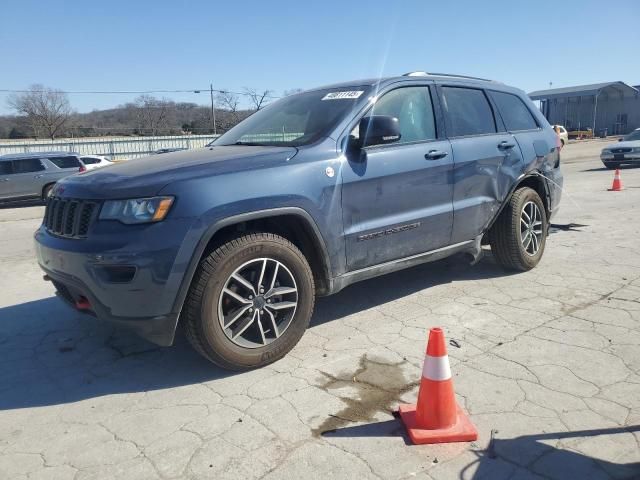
(83, 303)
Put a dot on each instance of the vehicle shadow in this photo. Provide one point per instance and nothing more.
(53, 355)
(21, 204)
(503, 456)
(387, 288)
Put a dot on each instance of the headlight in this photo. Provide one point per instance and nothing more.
(136, 210)
(636, 149)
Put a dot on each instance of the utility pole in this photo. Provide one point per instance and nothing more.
(213, 111)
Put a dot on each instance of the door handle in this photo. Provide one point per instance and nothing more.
(435, 154)
(4, 179)
(504, 145)
(38, 176)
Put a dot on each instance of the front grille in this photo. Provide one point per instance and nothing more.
(621, 150)
(67, 217)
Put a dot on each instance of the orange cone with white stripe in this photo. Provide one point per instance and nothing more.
(437, 418)
(617, 182)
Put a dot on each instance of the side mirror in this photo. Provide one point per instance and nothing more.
(379, 130)
(620, 139)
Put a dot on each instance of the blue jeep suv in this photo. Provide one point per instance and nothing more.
(318, 190)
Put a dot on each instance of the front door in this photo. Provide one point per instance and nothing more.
(397, 199)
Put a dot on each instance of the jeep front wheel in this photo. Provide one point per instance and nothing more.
(519, 235)
(250, 301)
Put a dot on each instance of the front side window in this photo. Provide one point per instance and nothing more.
(635, 135)
(27, 165)
(299, 119)
(514, 112)
(65, 162)
(413, 108)
(468, 111)
(90, 160)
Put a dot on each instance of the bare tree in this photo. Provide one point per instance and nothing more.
(258, 99)
(47, 110)
(152, 113)
(230, 102)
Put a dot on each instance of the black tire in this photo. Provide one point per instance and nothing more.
(46, 191)
(201, 315)
(506, 234)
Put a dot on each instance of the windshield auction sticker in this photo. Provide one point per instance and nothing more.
(343, 95)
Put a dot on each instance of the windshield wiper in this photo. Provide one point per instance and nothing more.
(249, 144)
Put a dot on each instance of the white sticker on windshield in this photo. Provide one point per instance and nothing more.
(343, 95)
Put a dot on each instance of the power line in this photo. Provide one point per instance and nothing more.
(132, 92)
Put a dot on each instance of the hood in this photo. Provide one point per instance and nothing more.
(146, 176)
(628, 144)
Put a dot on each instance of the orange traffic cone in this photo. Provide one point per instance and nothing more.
(617, 182)
(437, 418)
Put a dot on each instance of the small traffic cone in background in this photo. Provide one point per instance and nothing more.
(617, 182)
(437, 418)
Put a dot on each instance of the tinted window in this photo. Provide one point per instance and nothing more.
(5, 168)
(90, 161)
(27, 165)
(412, 107)
(514, 112)
(65, 162)
(469, 112)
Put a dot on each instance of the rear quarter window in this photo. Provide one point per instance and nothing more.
(515, 114)
(65, 162)
(468, 111)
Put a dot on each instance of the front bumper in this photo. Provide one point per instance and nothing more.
(620, 158)
(129, 279)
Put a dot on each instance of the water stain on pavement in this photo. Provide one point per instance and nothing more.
(379, 387)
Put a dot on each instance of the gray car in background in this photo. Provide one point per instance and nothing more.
(28, 176)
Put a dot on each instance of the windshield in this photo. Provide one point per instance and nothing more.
(635, 135)
(299, 119)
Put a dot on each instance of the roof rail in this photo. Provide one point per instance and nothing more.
(425, 74)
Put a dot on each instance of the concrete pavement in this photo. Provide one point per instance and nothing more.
(548, 367)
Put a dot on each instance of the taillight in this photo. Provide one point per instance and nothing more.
(82, 169)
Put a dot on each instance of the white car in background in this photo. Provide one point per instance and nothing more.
(562, 134)
(94, 161)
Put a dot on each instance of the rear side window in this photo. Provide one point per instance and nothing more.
(90, 161)
(27, 165)
(5, 168)
(65, 162)
(514, 112)
(469, 112)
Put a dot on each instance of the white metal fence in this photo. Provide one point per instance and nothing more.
(115, 148)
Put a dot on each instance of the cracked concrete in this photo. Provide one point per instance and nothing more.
(548, 360)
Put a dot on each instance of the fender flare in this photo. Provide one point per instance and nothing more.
(516, 184)
(239, 218)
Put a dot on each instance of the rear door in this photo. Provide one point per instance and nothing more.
(520, 122)
(27, 177)
(61, 167)
(482, 150)
(397, 201)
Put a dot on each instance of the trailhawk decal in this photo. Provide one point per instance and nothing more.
(343, 95)
(389, 231)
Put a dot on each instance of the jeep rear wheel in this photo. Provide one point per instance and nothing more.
(519, 235)
(250, 301)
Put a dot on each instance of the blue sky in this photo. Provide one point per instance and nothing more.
(279, 45)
